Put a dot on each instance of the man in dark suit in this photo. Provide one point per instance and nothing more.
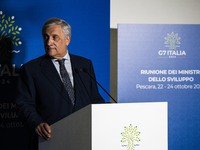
(42, 97)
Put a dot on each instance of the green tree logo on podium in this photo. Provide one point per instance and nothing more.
(130, 136)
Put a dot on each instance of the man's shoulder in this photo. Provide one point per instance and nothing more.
(36, 61)
(79, 58)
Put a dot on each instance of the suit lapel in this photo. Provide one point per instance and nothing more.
(50, 72)
(78, 85)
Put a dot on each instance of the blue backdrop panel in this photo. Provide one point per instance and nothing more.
(21, 40)
(161, 63)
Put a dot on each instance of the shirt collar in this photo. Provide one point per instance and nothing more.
(66, 57)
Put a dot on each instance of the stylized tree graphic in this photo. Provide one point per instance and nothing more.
(172, 41)
(9, 31)
(131, 136)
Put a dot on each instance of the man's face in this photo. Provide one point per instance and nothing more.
(55, 41)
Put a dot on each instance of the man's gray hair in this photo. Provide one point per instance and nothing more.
(66, 28)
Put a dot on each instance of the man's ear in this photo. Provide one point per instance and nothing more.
(68, 40)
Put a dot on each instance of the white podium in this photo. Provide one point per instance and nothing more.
(122, 126)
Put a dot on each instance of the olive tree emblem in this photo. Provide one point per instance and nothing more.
(130, 136)
(9, 31)
(172, 40)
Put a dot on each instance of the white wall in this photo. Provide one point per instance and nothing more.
(154, 11)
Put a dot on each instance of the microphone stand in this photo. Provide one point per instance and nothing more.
(85, 70)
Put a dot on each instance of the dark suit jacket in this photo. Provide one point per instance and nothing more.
(41, 94)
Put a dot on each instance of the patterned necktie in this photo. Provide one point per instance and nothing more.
(66, 80)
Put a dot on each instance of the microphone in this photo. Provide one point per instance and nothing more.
(85, 71)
